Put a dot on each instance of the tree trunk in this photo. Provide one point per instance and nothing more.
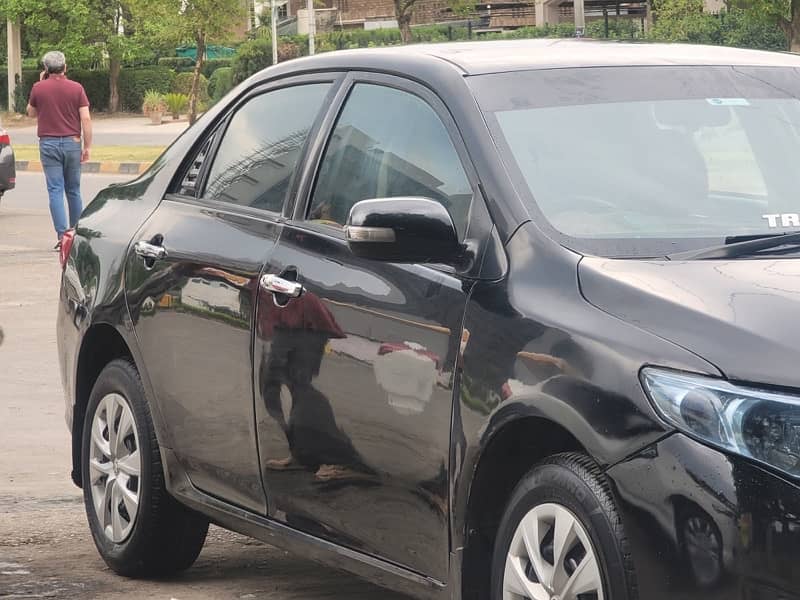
(403, 10)
(404, 22)
(114, 67)
(791, 27)
(198, 69)
(794, 43)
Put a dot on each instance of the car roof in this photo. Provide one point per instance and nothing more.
(476, 58)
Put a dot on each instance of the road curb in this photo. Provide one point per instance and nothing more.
(105, 167)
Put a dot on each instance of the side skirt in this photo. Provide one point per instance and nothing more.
(277, 534)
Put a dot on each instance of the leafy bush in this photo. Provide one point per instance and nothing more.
(751, 29)
(685, 21)
(212, 64)
(179, 64)
(618, 29)
(134, 82)
(176, 104)
(221, 83)
(182, 84)
(559, 30)
(253, 56)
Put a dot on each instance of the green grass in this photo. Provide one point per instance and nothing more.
(100, 153)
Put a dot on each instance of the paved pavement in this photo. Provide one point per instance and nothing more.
(122, 131)
(45, 546)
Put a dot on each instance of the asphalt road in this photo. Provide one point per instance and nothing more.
(45, 546)
(124, 131)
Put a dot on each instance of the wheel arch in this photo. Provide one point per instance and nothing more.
(511, 451)
(101, 344)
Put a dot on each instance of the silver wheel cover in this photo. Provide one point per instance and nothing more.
(115, 467)
(551, 558)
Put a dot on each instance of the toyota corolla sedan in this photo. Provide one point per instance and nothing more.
(504, 321)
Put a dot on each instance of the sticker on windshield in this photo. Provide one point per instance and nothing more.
(727, 101)
(783, 220)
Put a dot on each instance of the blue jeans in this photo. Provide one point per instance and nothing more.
(61, 161)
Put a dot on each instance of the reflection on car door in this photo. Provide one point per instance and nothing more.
(192, 284)
(355, 377)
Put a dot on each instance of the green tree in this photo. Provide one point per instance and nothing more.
(684, 21)
(87, 31)
(786, 13)
(196, 21)
(64, 24)
(404, 11)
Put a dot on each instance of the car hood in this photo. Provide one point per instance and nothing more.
(741, 315)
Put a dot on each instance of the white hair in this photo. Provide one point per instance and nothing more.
(54, 61)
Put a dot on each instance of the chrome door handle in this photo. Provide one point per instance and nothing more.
(279, 285)
(148, 250)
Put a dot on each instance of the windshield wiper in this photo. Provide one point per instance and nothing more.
(734, 249)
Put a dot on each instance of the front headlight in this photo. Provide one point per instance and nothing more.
(759, 424)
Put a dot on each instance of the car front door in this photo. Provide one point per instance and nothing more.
(192, 281)
(355, 376)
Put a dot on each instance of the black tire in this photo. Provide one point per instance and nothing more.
(166, 537)
(573, 481)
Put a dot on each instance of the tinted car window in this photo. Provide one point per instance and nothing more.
(261, 146)
(389, 143)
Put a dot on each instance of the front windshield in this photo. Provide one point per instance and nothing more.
(649, 160)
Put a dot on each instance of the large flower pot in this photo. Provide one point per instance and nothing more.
(156, 116)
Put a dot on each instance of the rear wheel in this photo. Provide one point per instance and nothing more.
(561, 537)
(138, 528)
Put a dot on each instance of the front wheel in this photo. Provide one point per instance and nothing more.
(138, 528)
(561, 537)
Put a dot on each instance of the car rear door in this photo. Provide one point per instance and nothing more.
(355, 376)
(191, 281)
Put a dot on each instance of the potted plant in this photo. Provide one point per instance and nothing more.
(154, 106)
(176, 104)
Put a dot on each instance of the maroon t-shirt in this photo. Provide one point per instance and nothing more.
(58, 101)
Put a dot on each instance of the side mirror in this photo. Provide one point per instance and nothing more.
(403, 230)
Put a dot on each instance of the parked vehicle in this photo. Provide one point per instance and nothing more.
(506, 320)
(8, 167)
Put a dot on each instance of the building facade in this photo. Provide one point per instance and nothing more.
(487, 16)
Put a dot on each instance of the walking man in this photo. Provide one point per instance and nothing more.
(62, 109)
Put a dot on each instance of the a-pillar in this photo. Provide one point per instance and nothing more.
(14, 60)
(546, 13)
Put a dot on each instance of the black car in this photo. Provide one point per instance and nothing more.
(498, 320)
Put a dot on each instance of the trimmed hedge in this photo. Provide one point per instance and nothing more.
(96, 84)
(221, 83)
(212, 64)
(179, 64)
(182, 84)
(133, 83)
